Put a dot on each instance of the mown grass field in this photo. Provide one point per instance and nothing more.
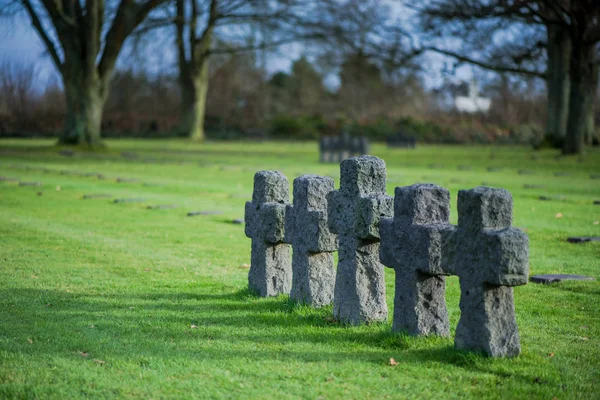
(106, 300)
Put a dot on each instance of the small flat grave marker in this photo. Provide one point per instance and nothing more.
(563, 174)
(555, 278)
(464, 168)
(97, 196)
(7, 179)
(583, 239)
(126, 180)
(195, 213)
(525, 172)
(237, 221)
(494, 169)
(435, 166)
(66, 153)
(548, 198)
(30, 184)
(533, 186)
(595, 176)
(131, 200)
(162, 207)
(597, 202)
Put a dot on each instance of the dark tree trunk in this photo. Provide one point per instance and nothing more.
(559, 53)
(590, 124)
(85, 100)
(582, 68)
(194, 88)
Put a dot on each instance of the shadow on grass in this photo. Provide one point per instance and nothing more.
(215, 326)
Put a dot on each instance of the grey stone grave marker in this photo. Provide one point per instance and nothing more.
(583, 239)
(162, 207)
(411, 243)
(194, 213)
(270, 266)
(97, 196)
(130, 200)
(555, 278)
(354, 213)
(30, 184)
(489, 258)
(306, 229)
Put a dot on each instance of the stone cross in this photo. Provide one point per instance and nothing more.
(355, 211)
(270, 266)
(411, 243)
(489, 258)
(306, 229)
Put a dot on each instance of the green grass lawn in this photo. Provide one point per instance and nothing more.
(105, 300)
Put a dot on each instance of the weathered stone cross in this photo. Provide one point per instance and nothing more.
(354, 213)
(411, 243)
(270, 266)
(489, 258)
(306, 229)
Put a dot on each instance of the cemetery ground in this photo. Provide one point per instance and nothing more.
(108, 299)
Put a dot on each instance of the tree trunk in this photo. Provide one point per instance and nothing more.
(581, 94)
(194, 89)
(85, 100)
(590, 120)
(557, 80)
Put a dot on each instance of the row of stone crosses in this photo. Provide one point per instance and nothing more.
(409, 233)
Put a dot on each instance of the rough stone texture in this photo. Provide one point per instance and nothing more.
(270, 265)
(412, 244)
(355, 212)
(555, 278)
(489, 258)
(313, 243)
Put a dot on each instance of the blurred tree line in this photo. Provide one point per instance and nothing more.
(361, 70)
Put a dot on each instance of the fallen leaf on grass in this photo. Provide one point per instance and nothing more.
(583, 327)
(393, 362)
(551, 355)
(585, 339)
(58, 188)
(83, 354)
(329, 379)
(99, 362)
(596, 222)
(30, 341)
(245, 266)
(33, 276)
(559, 215)
(48, 305)
(194, 326)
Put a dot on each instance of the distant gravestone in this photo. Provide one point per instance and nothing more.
(494, 169)
(334, 149)
(7, 179)
(412, 244)
(126, 180)
(489, 258)
(130, 200)
(555, 278)
(312, 242)
(354, 213)
(162, 207)
(30, 184)
(583, 239)
(97, 196)
(195, 213)
(270, 266)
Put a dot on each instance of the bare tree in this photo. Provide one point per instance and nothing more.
(84, 39)
(552, 39)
